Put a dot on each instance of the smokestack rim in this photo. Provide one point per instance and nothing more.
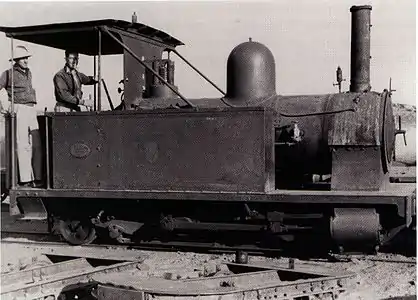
(360, 7)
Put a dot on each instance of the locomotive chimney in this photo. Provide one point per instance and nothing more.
(360, 48)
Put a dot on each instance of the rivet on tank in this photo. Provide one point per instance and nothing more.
(251, 73)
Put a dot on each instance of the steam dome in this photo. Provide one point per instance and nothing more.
(250, 72)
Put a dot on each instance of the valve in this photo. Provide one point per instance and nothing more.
(297, 133)
(401, 131)
(339, 79)
(390, 88)
(122, 81)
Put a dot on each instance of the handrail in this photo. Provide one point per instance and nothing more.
(107, 94)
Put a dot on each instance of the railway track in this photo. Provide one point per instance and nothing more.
(37, 239)
(77, 277)
(60, 277)
(63, 277)
(284, 281)
(376, 258)
(54, 243)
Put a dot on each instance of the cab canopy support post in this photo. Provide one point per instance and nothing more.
(95, 88)
(12, 122)
(99, 71)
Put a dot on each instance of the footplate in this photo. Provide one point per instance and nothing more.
(242, 281)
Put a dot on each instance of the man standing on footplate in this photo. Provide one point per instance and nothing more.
(27, 128)
(67, 84)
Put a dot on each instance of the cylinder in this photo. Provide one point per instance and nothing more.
(355, 228)
(360, 48)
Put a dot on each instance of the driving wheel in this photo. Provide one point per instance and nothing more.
(77, 232)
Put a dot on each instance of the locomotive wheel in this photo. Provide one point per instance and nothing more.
(77, 232)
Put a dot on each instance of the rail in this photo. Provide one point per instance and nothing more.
(59, 277)
(75, 276)
(231, 281)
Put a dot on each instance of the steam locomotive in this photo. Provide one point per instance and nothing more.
(279, 169)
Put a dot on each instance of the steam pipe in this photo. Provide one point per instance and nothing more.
(360, 48)
(155, 67)
(48, 175)
(170, 71)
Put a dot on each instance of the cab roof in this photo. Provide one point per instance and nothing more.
(83, 36)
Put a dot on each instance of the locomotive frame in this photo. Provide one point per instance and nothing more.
(350, 214)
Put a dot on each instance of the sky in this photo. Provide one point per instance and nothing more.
(308, 39)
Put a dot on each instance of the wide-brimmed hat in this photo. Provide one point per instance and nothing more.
(20, 52)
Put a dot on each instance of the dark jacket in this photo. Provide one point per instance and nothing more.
(23, 90)
(65, 90)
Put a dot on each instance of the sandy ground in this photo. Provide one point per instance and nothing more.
(374, 280)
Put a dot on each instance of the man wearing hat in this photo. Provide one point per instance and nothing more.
(27, 131)
(67, 85)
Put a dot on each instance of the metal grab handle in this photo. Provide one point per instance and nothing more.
(401, 131)
(108, 96)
